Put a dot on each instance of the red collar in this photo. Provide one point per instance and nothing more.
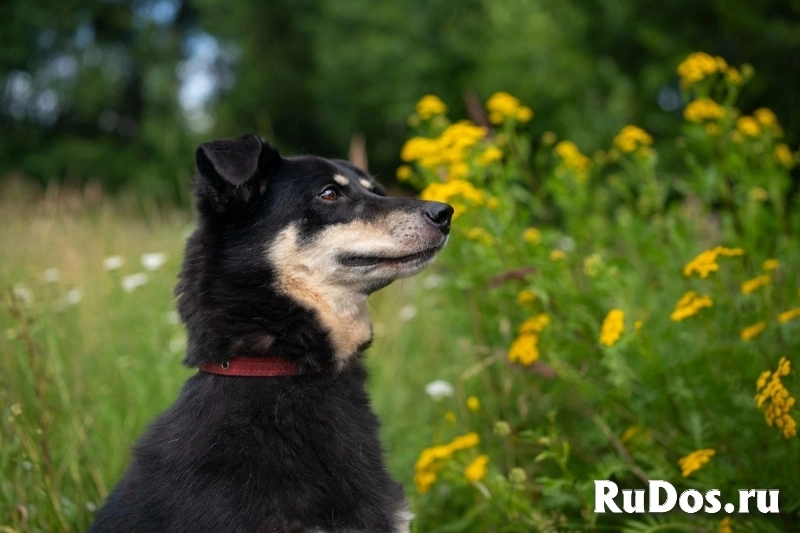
(252, 366)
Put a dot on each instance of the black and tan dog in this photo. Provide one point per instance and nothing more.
(285, 255)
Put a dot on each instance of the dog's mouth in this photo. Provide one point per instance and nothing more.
(374, 260)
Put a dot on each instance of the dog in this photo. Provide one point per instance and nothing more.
(276, 279)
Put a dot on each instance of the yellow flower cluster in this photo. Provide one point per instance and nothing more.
(689, 305)
(480, 235)
(753, 331)
(784, 155)
(725, 525)
(695, 461)
(473, 404)
(774, 400)
(449, 150)
(430, 459)
(700, 65)
(403, 172)
(476, 470)
(613, 327)
(459, 193)
(771, 264)
(766, 117)
(525, 350)
(502, 105)
(526, 297)
(748, 126)
(703, 109)
(791, 314)
(573, 159)
(430, 106)
(706, 262)
(631, 138)
(751, 285)
(532, 235)
(489, 156)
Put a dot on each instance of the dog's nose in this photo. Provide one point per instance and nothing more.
(439, 215)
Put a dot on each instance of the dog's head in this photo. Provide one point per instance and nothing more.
(319, 232)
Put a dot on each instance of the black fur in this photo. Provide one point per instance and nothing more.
(281, 454)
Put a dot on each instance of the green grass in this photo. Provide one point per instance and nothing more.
(89, 377)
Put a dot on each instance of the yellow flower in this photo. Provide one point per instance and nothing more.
(573, 158)
(423, 480)
(476, 470)
(480, 235)
(632, 137)
(706, 262)
(403, 172)
(613, 327)
(525, 297)
(791, 314)
(696, 67)
(758, 194)
(629, 433)
(534, 325)
(524, 114)
(450, 417)
(474, 404)
(489, 156)
(501, 105)
(703, 109)
(765, 117)
(532, 235)
(418, 148)
(431, 459)
(748, 126)
(549, 137)
(456, 189)
(771, 264)
(753, 331)
(725, 525)
(493, 203)
(784, 156)
(638, 325)
(557, 255)
(775, 401)
(733, 76)
(689, 305)
(524, 350)
(751, 285)
(430, 106)
(713, 129)
(695, 461)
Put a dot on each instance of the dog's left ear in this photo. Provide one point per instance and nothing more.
(233, 169)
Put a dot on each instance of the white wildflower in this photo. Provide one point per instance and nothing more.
(50, 275)
(407, 313)
(22, 293)
(432, 281)
(153, 261)
(113, 262)
(73, 296)
(172, 318)
(439, 389)
(134, 281)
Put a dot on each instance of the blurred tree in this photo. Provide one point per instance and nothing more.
(120, 91)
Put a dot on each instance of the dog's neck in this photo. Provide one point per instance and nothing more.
(341, 310)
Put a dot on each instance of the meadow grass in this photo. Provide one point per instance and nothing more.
(82, 379)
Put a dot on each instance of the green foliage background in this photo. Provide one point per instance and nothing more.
(310, 73)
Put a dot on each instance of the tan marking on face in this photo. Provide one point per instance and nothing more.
(341, 180)
(365, 183)
(312, 274)
(305, 275)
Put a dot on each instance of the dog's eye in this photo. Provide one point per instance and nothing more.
(330, 194)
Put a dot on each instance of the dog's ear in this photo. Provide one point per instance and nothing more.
(233, 170)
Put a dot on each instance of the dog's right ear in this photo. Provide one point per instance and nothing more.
(233, 171)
